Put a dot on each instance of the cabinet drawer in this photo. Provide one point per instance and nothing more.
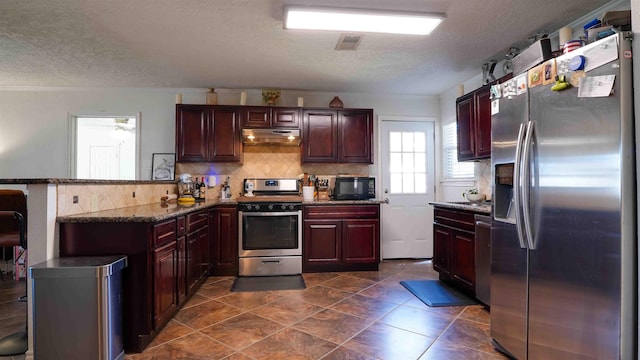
(459, 219)
(164, 232)
(342, 212)
(182, 225)
(196, 221)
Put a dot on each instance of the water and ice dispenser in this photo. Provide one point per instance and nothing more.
(503, 201)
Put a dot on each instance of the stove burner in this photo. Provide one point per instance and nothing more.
(261, 206)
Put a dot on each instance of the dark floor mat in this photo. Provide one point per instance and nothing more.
(268, 283)
(436, 293)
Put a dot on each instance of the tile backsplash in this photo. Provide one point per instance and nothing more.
(91, 198)
(265, 161)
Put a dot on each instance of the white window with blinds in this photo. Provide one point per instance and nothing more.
(451, 168)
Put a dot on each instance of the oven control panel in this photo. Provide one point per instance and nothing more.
(272, 207)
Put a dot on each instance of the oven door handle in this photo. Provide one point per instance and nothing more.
(270, 261)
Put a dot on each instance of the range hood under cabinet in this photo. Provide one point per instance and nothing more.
(270, 125)
(290, 137)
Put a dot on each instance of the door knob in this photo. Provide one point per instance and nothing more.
(386, 191)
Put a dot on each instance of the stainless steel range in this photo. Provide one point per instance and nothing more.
(270, 228)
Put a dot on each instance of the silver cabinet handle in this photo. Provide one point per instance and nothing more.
(386, 200)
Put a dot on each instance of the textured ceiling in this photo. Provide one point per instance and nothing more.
(241, 44)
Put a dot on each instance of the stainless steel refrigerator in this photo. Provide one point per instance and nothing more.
(564, 227)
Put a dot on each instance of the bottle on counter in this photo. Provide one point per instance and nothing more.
(196, 190)
(203, 189)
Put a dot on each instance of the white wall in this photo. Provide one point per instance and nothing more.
(452, 190)
(34, 122)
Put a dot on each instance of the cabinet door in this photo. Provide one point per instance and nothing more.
(482, 131)
(193, 265)
(181, 271)
(192, 133)
(463, 259)
(465, 121)
(285, 117)
(321, 242)
(355, 130)
(360, 241)
(224, 241)
(255, 116)
(319, 136)
(442, 249)
(164, 283)
(225, 144)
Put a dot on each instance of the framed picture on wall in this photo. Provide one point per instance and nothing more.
(163, 166)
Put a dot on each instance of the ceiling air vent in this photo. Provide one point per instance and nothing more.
(348, 42)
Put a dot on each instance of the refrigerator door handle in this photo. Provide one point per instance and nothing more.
(517, 190)
(526, 183)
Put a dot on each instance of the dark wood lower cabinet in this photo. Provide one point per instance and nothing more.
(454, 248)
(165, 266)
(167, 261)
(341, 238)
(224, 241)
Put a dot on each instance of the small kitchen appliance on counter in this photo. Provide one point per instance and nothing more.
(185, 190)
(354, 188)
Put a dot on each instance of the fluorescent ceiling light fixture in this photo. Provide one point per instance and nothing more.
(356, 20)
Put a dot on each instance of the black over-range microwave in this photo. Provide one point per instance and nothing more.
(354, 188)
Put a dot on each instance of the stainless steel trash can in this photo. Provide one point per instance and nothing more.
(77, 308)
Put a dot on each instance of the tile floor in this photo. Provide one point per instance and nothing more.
(348, 315)
(354, 315)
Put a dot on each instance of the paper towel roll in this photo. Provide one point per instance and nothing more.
(565, 34)
(172, 196)
(212, 181)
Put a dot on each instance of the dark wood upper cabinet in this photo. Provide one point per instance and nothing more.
(483, 122)
(320, 136)
(255, 117)
(355, 129)
(465, 127)
(269, 117)
(192, 132)
(473, 111)
(285, 117)
(337, 136)
(206, 133)
(226, 141)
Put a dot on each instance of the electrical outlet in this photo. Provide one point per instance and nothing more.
(75, 199)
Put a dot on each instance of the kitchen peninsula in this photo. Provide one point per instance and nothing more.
(171, 249)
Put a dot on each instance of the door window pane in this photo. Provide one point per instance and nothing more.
(407, 165)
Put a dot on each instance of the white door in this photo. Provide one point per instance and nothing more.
(408, 182)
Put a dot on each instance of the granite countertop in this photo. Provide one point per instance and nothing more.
(343, 202)
(143, 213)
(155, 212)
(483, 208)
(81, 181)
